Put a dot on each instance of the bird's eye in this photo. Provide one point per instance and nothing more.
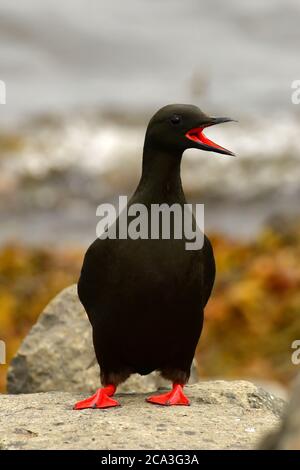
(176, 119)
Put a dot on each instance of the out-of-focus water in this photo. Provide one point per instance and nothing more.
(79, 60)
(235, 56)
(51, 186)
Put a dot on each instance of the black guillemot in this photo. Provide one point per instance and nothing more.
(145, 297)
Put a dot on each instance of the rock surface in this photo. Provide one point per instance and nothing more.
(288, 436)
(223, 415)
(58, 354)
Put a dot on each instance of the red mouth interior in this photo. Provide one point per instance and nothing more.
(196, 134)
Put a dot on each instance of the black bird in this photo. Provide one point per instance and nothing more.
(145, 297)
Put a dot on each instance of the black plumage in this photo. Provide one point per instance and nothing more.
(145, 298)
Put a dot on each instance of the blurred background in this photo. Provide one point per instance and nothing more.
(82, 80)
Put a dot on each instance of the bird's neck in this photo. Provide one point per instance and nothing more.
(161, 180)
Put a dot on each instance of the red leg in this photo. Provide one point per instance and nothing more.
(174, 397)
(101, 399)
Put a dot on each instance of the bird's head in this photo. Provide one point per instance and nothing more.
(180, 127)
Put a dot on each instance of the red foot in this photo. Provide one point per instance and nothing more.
(101, 399)
(174, 397)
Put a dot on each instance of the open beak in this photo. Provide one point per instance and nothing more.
(196, 135)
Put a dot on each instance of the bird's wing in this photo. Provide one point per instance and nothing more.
(209, 273)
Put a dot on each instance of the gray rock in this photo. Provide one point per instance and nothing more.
(58, 354)
(288, 436)
(223, 415)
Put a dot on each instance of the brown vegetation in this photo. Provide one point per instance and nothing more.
(251, 319)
